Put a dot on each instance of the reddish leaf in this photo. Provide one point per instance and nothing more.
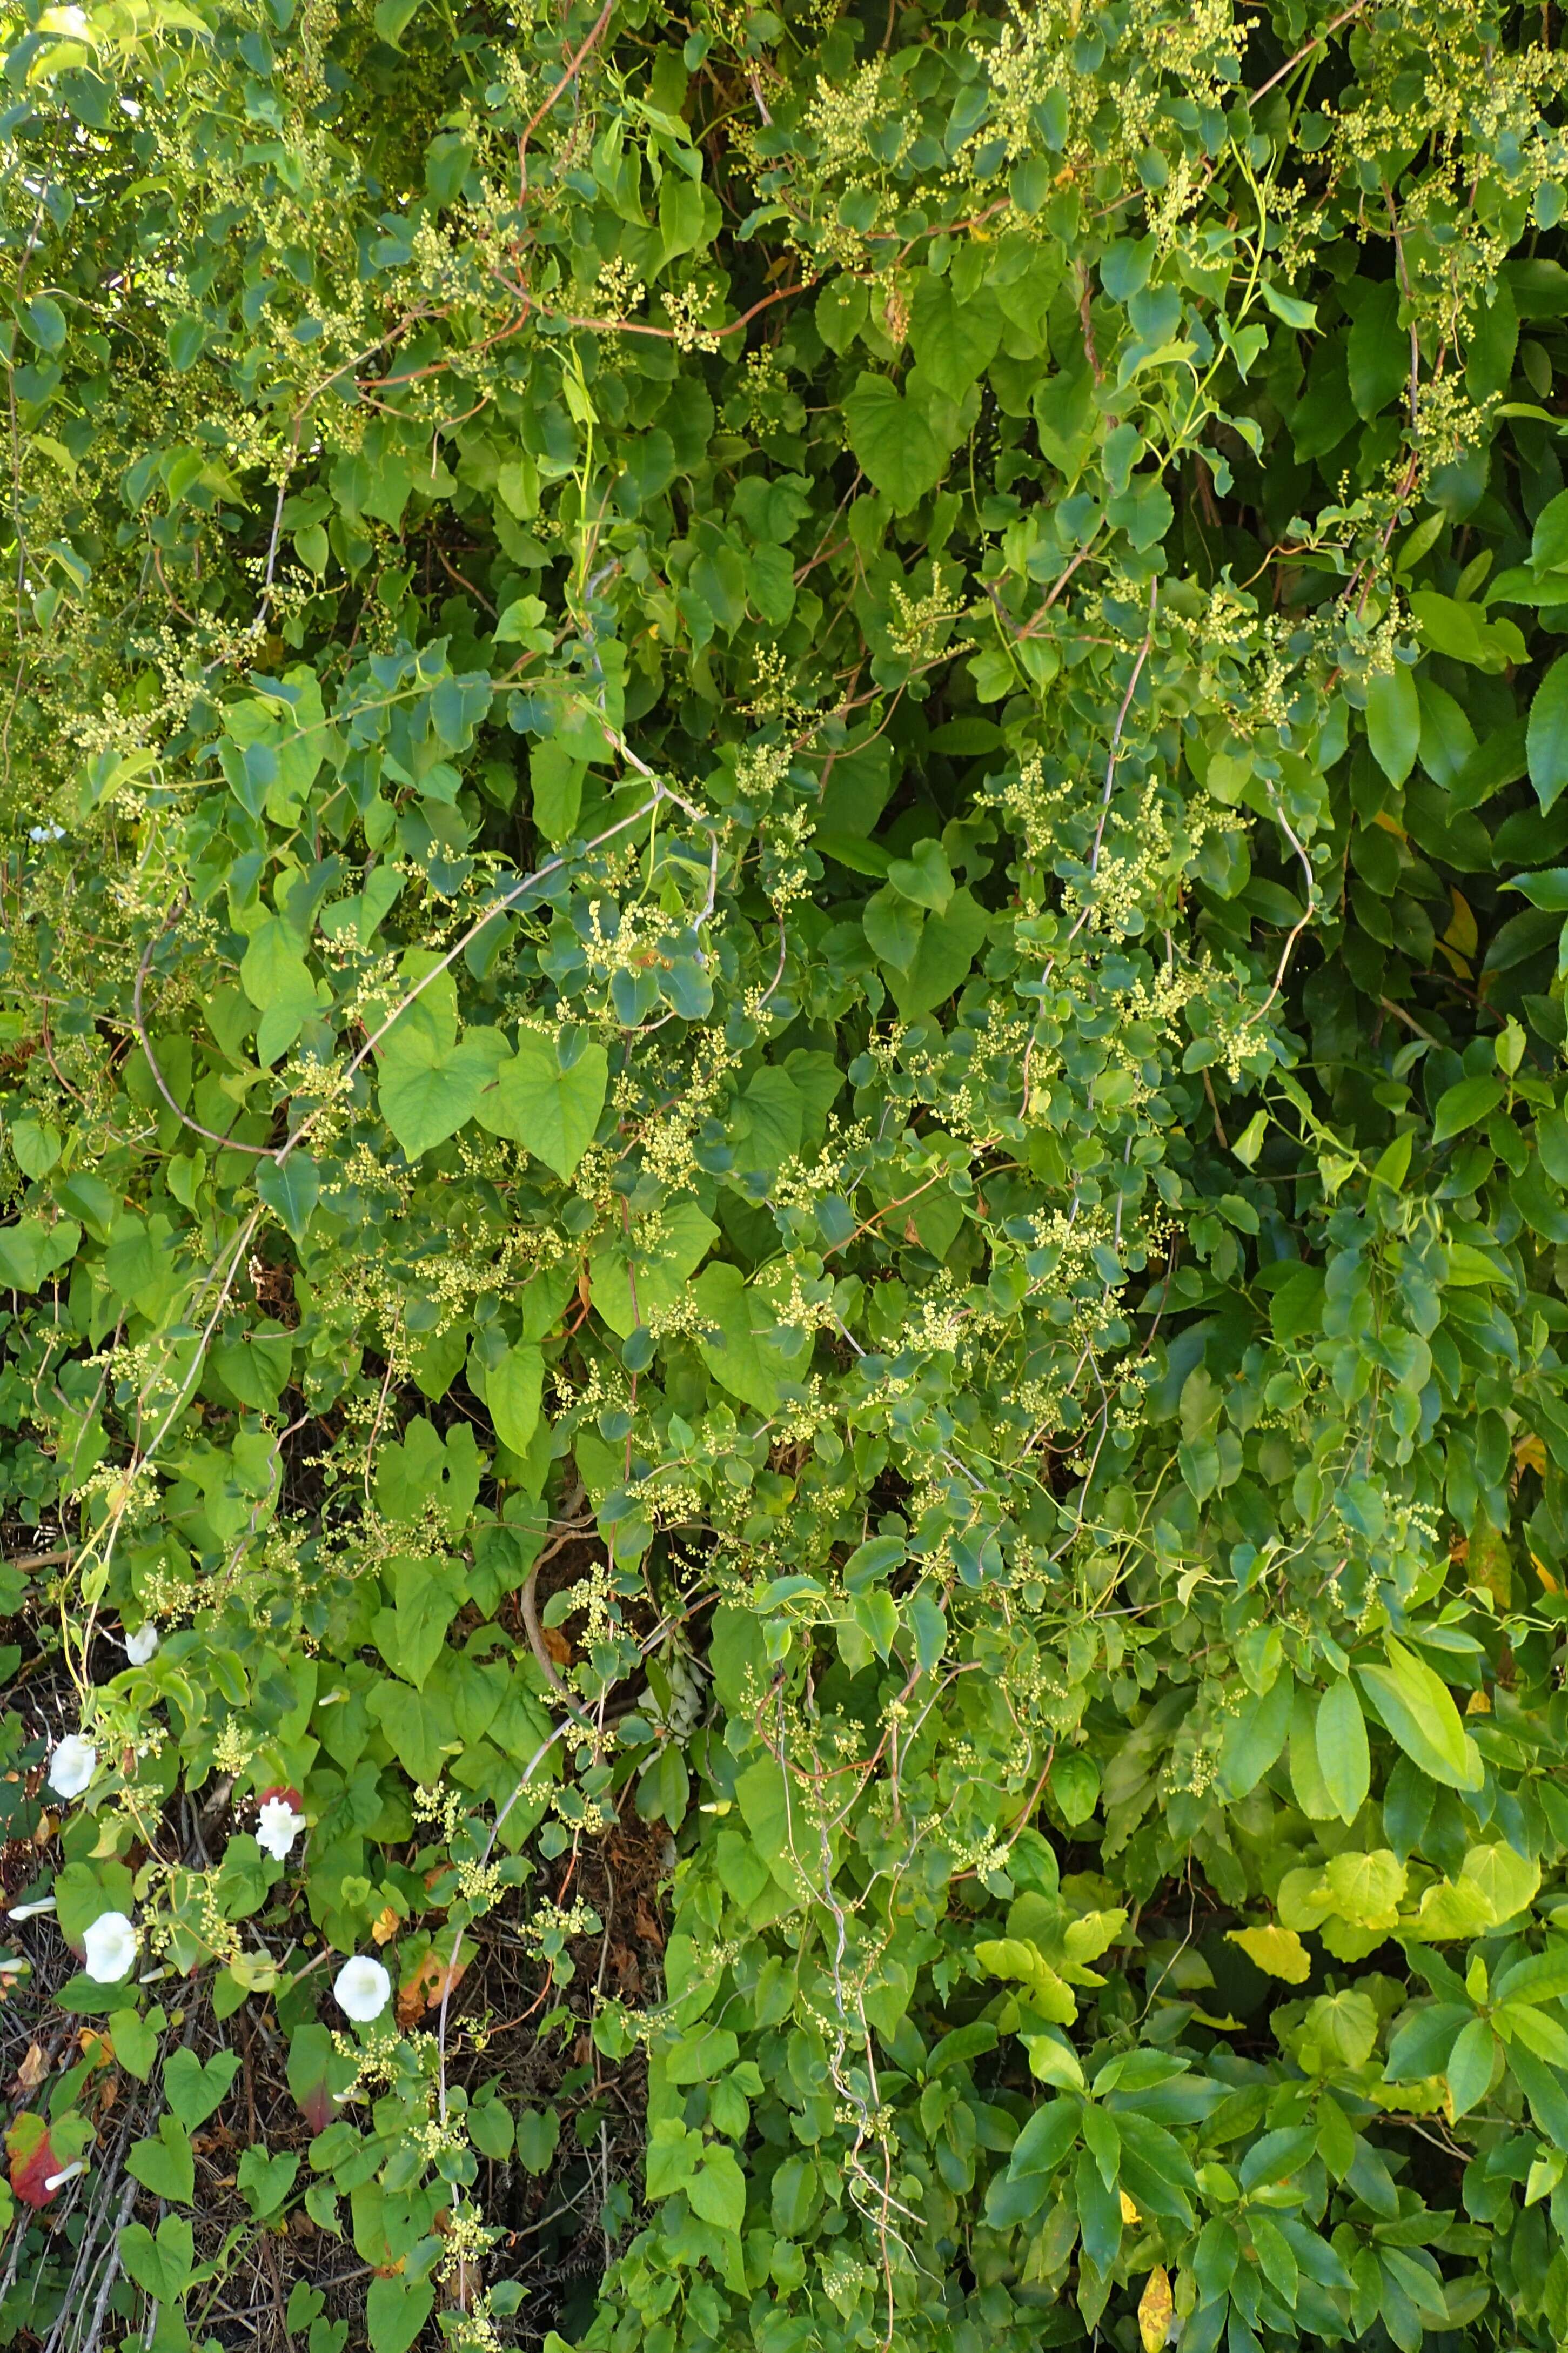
(33, 2159)
(432, 1975)
(316, 2070)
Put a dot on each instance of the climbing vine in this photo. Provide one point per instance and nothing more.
(784, 1176)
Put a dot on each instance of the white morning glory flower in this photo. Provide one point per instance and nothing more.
(140, 1646)
(109, 1948)
(72, 1765)
(31, 1911)
(363, 1988)
(278, 1826)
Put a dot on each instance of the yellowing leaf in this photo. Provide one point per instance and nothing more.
(1462, 933)
(1156, 2309)
(1278, 1951)
(1506, 1881)
(1366, 1888)
(1014, 1957)
(1450, 1910)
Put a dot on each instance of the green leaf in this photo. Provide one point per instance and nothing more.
(538, 2131)
(276, 979)
(555, 789)
(395, 2309)
(317, 2071)
(46, 323)
(1255, 1736)
(946, 951)
(1393, 722)
(1275, 2258)
(924, 876)
(1506, 1879)
(894, 445)
(1546, 742)
(421, 1727)
(521, 620)
(1345, 1758)
(716, 2191)
(1365, 1888)
(893, 926)
(1470, 2063)
(490, 2128)
(552, 1108)
(1075, 1785)
(1461, 1105)
(428, 1598)
(673, 2154)
(736, 1351)
(1549, 539)
(160, 2266)
(512, 1391)
(135, 2041)
(955, 337)
(768, 1122)
(165, 2166)
(1548, 2100)
(1548, 888)
(662, 1252)
(702, 2056)
(31, 1251)
(1418, 1710)
(1046, 2138)
(266, 2180)
(393, 19)
(194, 2091)
(1539, 1976)
(795, 2196)
(1288, 307)
(427, 1095)
(291, 1191)
(1463, 633)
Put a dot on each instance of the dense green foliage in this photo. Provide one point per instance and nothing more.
(781, 1037)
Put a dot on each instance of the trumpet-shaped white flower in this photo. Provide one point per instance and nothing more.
(363, 1988)
(278, 1826)
(109, 1948)
(72, 1765)
(31, 1911)
(140, 1646)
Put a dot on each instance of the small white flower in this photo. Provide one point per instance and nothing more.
(363, 1988)
(45, 833)
(109, 1948)
(278, 1826)
(140, 1646)
(31, 1911)
(72, 1765)
(68, 2173)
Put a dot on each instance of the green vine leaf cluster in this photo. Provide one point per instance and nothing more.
(784, 1176)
